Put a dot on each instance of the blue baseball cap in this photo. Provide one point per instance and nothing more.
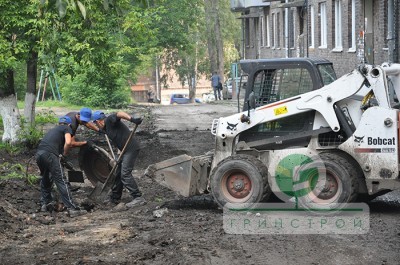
(65, 119)
(98, 115)
(85, 114)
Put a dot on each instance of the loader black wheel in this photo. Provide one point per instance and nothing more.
(240, 179)
(340, 181)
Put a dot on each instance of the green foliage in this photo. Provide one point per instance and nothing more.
(45, 117)
(11, 149)
(16, 171)
(20, 80)
(31, 135)
(94, 95)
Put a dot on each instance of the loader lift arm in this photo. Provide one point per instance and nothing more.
(322, 100)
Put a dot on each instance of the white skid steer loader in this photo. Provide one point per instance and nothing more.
(332, 144)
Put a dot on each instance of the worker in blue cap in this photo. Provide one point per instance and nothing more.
(49, 157)
(83, 117)
(119, 133)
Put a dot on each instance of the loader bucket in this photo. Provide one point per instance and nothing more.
(185, 175)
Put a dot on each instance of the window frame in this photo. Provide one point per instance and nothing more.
(353, 36)
(338, 26)
(323, 26)
(312, 27)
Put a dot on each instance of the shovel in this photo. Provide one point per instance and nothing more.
(101, 190)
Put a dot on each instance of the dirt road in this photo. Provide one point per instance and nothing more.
(190, 231)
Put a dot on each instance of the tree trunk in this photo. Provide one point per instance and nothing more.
(214, 38)
(30, 96)
(8, 107)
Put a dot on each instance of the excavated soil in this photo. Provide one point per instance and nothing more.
(190, 231)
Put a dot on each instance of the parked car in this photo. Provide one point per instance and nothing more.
(181, 99)
(227, 92)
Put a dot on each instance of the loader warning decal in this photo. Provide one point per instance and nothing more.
(280, 110)
(375, 150)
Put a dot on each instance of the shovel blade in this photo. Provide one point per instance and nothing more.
(101, 190)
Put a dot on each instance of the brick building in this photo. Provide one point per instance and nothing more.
(343, 31)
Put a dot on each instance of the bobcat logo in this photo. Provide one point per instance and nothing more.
(231, 127)
(358, 139)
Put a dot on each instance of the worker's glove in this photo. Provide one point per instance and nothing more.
(90, 144)
(136, 121)
(65, 163)
(62, 159)
(101, 131)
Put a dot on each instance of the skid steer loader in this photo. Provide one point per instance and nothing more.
(302, 132)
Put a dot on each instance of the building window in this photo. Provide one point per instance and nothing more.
(312, 27)
(385, 24)
(285, 30)
(262, 41)
(338, 25)
(323, 26)
(267, 33)
(352, 40)
(292, 29)
(278, 31)
(273, 30)
(247, 32)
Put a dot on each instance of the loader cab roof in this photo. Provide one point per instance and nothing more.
(251, 65)
(264, 77)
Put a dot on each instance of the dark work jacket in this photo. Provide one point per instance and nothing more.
(54, 140)
(75, 122)
(118, 133)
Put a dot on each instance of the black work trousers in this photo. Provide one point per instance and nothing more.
(124, 176)
(52, 171)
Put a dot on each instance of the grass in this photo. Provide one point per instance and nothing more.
(51, 104)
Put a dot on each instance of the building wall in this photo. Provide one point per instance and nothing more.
(344, 59)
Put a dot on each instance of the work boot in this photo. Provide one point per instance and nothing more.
(43, 208)
(111, 201)
(75, 212)
(136, 202)
(49, 207)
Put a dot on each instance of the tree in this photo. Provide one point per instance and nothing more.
(214, 37)
(13, 47)
(180, 39)
(28, 29)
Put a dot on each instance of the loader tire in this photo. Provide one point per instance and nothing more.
(341, 181)
(241, 180)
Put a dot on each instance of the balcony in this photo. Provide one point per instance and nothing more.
(240, 5)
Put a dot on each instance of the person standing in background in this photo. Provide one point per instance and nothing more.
(215, 81)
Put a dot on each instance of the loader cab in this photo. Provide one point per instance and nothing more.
(271, 80)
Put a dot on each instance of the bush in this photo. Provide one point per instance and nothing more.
(94, 95)
(31, 135)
